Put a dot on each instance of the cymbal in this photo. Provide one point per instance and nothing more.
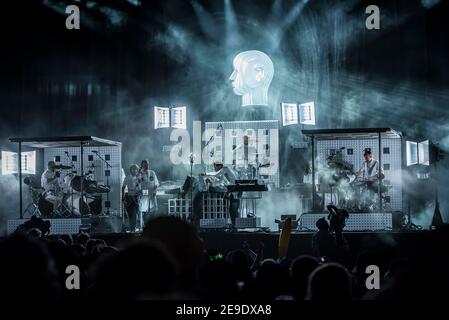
(62, 167)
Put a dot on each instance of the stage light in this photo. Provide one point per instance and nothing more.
(10, 162)
(418, 153)
(161, 117)
(411, 150)
(423, 153)
(289, 114)
(179, 117)
(307, 113)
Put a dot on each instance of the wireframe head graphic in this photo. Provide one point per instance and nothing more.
(251, 78)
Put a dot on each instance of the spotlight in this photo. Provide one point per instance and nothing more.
(289, 114)
(10, 162)
(307, 113)
(177, 115)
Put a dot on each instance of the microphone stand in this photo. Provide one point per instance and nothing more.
(191, 189)
(71, 189)
(107, 181)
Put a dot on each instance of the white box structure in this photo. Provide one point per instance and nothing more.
(83, 153)
(228, 137)
(356, 221)
(215, 211)
(352, 142)
(180, 208)
(57, 226)
(97, 167)
(247, 223)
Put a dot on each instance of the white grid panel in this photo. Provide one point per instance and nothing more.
(97, 167)
(215, 223)
(179, 207)
(58, 226)
(355, 222)
(242, 223)
(215, 206)
(245, 125)
(215, 211)
(394, 159)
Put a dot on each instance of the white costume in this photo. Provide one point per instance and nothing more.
(52, 185)
(370, 170)
(148, 185)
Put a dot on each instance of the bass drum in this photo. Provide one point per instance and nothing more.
(95, 204)
(45, 207)
(79, 207)
(75, 183)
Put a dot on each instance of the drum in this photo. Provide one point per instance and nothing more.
(67, 182)
(45, 207)
(95, 204)
(89, 186)
(79, 207)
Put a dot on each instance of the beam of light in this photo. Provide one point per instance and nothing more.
(287, 22)
(232, 32)
(205, 19)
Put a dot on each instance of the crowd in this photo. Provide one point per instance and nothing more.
(169, 261)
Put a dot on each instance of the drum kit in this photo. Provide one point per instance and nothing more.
(354, 193)
(65, 200)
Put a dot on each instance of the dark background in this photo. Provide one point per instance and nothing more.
(105, 78)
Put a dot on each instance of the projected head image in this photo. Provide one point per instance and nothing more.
(251, 78)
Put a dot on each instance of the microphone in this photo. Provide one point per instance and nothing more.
(66, 152)
(220, 126)
(95, 151)
(191, 157)
(210, 140)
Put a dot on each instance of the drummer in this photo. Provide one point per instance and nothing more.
(49, 178)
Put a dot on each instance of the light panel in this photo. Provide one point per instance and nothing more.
(161, 117)
(307, 113)
(10, 162)
(179, 117)
(289, 114)
(423, 153)
(411, 150)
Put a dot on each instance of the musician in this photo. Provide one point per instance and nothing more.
(130, 190)
(49, 178)
(223, 173)
(227, 176)
(148, 183)
(371, 170)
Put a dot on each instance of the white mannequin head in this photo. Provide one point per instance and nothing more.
(251, 78)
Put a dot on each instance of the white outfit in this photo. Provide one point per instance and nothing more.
(52, 185)
(226, 174)
(148, 185)
(370, 169)
(131, 184)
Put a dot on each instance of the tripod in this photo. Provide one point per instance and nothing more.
(410, 226)
(191, 188)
